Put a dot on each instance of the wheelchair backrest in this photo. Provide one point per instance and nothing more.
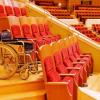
(5, 35)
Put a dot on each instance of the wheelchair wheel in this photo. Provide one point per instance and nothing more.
(8, 61)
(24, 72)
(34, 68)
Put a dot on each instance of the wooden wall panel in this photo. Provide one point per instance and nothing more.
(4, 23)
(95, 2)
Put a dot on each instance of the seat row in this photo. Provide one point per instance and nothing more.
(87, 14)
(44, 3)
(27, 27)
(64, 17)
(96, 27)
(89, 8)
(84, 30)
(58, 11)
(51, 7)
(12, 8)
(78, 7)
(65, 68)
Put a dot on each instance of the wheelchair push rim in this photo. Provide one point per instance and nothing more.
(8, 61)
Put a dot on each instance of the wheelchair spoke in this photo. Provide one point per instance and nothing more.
(8, 61)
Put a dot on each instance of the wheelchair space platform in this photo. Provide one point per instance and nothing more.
(93, 88)
(15, 88)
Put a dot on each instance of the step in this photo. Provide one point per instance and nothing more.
(32, 95)
(16, 85)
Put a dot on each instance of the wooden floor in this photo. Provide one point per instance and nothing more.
(15, 88)
(17, 80)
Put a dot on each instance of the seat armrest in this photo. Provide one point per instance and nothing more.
(84, 55)
(56, 83)
(69, 68)
(62, 75)
(79, 62)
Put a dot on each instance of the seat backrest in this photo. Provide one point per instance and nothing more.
(34, 27)
(9, 10)
(61, 68)
(52, 74)
(16, 8)
(49, 68)
(16, 31)
(15, 27)
(66, 60)
(23, 11)
(47, 29)
(27, 31)
(26, 28)
(17, 11)
(35, 31)
(69, 44)
(1, 9)
(42, 29)
(56, 52)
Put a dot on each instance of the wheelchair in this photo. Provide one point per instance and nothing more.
(17, 55)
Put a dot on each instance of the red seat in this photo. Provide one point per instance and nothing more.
(68, 63)
(53, 76)
(2, 11)
(27, 31)
(9, 10)
(23, 12)
(40, 40)
(61, 68)
(17, 11)
(84, 57)
(16, 31)
(28, 34)
(42, 30)
(35, 31)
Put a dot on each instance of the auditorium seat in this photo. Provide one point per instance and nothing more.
(9, 10)
(17, 11)
(2, 12)
(52, 76)
(23, 11)
(87, 58)
(15, 27)
(59, 55)
(84, 30)
(55, 10)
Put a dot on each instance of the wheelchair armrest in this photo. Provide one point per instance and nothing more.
(20, 38)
